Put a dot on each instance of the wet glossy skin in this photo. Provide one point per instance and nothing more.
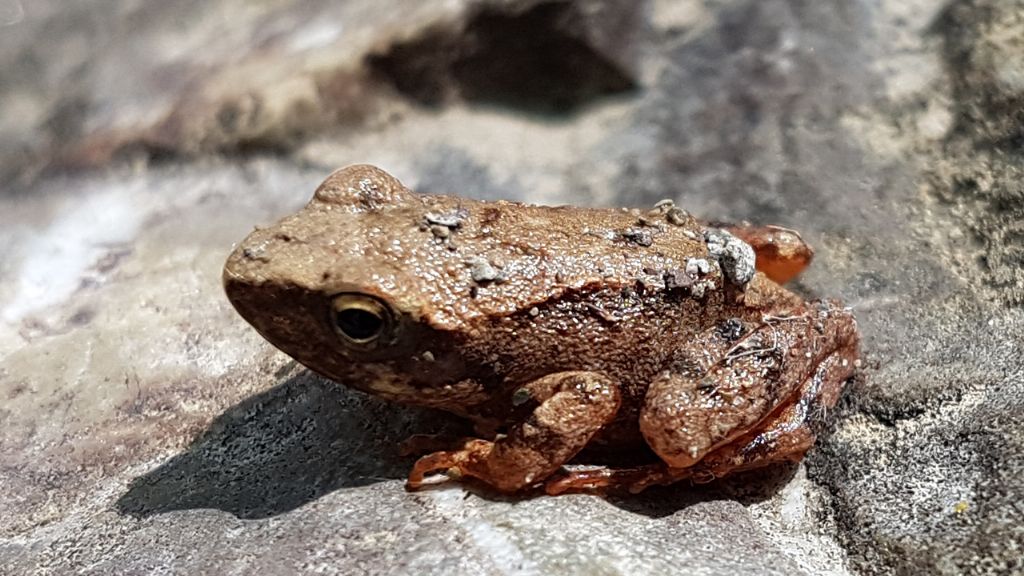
(553, 329)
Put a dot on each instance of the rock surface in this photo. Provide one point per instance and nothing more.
(145, 428)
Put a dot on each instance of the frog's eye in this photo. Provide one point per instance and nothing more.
(361, 320)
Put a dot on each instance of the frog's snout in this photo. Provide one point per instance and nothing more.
(250, 279)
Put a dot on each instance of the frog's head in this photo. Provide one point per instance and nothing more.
(345, 286)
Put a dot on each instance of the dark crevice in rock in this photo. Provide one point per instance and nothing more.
(549, 57)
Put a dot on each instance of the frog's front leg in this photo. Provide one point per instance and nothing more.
(568, 408)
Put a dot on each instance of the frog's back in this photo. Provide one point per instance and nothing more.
(457, 261)
(518, 256)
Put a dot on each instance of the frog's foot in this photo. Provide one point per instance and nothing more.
(568, 408)
(455, 463)
(788, 363)
(781, 253)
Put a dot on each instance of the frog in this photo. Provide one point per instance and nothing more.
(557, 331)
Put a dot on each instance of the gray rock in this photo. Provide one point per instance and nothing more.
(123, 82)
(145, 428)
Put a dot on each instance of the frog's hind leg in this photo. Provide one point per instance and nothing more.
(781, 253)
(783, 364)
(784, 436)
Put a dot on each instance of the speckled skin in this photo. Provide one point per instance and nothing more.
(557, 327)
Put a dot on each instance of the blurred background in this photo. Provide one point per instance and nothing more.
(144, 428)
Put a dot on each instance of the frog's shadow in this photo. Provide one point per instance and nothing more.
(306, 437)
(282, 448)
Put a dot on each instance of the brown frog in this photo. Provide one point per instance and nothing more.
(553, 329)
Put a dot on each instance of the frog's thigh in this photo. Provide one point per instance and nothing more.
(781, 253)
(687, 416)
(569, 408)
(784, 436)
(787, 434)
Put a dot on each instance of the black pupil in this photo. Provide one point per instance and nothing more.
(359, 324)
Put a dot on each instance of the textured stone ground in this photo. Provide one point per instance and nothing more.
(144, 428)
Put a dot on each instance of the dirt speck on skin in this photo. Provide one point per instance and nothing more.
(483, 271)
(638, 236)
